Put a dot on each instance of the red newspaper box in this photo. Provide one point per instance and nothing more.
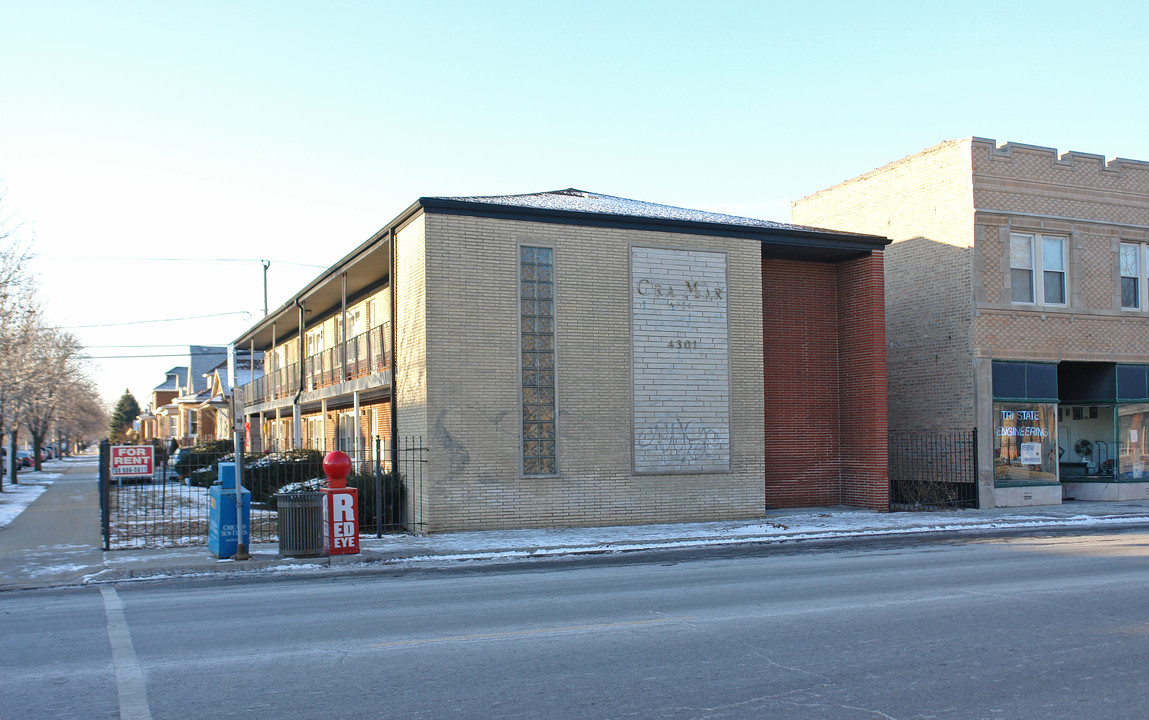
(340, 507)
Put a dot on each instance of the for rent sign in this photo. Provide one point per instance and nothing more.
(132, 461)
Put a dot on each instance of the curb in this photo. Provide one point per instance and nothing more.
(418, 558)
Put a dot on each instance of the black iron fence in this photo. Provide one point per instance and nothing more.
(933, 470)
(170, 508)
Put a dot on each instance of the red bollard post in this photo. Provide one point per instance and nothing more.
(340, 507)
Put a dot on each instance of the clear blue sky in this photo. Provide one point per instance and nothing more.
(293, 130)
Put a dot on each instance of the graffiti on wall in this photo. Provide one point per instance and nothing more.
(684, 441)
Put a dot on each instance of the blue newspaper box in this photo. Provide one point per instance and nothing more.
(221, 523)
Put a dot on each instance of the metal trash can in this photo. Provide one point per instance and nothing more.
(300, 523)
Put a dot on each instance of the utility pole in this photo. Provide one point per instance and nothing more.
(266, 264)
(238, 438)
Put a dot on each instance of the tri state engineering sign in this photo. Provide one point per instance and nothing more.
(132, 461)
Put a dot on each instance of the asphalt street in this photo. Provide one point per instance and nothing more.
(1046, 627)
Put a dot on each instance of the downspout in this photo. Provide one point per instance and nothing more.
(394, 379)
(343, 333)
(297, 416)
(251, 379)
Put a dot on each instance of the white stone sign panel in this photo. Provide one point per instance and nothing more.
(680, 349)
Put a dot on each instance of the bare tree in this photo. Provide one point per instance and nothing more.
(58, 363)
(81, 416)
(18, 306)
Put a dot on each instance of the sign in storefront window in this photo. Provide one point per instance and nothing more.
(1133, 443)
(1025, 442)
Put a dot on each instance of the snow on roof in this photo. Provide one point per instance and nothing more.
(581, 201)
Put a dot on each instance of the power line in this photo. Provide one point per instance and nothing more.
(133, 357)
(147, 322)
(193, 260)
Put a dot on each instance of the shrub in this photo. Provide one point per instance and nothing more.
(267, 474)
(393, 492)
(204, 477)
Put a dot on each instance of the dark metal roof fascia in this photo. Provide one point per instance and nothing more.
(814, 239)
(400, 220)
(820, 238)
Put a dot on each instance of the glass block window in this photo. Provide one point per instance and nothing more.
(537, 333)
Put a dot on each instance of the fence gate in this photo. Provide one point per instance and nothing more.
(170, 508)
(933, 470)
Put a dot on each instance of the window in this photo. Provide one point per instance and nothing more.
(536, 302)
(345, 441)
(1024, 381)
(378, 308)
(1133, 383)
(1025, 443)
(1131, 275)
(315, 438)
(1028, 252)
(314, 341)
(193, 417)
(354, 322)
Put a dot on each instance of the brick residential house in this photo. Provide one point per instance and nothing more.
(1015, 304)
(182, 406)
(160, 421)
(570, 358)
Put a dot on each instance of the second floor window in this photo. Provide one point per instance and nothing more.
(314, 341)
(354, 323)
(1027, 254)
(1131, 276)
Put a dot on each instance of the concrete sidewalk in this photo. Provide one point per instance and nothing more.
(56, 540)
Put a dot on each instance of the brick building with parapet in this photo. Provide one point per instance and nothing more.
(1015, 304)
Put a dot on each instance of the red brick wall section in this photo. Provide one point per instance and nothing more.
(825, 383)
(862, 361)
(800, 345)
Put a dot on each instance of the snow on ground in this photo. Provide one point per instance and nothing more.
(779, 527)
(19, 496)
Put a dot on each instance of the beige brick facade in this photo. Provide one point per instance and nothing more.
(923, 203)
(950, 211)
(473, 405)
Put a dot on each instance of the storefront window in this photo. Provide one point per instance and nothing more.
(1025, 442)
(1133, 427)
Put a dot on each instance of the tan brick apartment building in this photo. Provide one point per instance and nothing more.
(570, 358)
(1016, 304)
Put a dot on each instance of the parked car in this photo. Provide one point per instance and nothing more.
(167, 469)
(24, 458)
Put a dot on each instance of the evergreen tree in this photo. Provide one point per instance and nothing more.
(126, 411)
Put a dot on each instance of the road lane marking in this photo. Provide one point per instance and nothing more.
(129, 675)
(525, 633)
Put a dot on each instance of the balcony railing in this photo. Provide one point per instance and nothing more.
(367, 354)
